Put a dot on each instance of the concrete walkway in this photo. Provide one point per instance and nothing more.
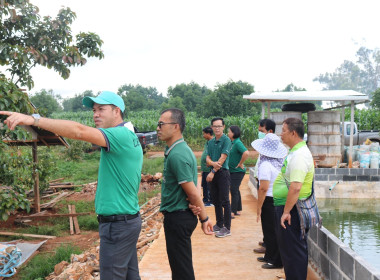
(219, 258)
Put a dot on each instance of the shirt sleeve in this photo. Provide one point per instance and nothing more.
(118, 138)
(226, 147)
(241, 148)
(264, 172)
(182, 169)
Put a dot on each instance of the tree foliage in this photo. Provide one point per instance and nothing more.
(137, 97)
(230, 101)
(192, 94)
(174, 102)
(74, 104)
(362, 75)
(376, 99)
(12, 99)
(27, 41)
(46, 102)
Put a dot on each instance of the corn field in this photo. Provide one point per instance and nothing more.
(147, 121)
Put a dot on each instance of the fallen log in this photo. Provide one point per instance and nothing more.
(54, 201)
(6, 233)
(55, 215)
(56, 180)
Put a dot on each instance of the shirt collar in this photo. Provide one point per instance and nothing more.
(168, 149)
(298, 146)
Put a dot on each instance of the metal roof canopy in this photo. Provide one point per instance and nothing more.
(352, 97)
(39, 136)
(326, 95)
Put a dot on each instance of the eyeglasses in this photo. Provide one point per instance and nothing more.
(160, 124)
(217, 126)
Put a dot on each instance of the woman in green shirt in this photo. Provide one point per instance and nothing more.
(236, 159)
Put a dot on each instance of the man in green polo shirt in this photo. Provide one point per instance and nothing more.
(179, 187)
(208, 135)
(116, 201)
(217, 157)
(294, 182)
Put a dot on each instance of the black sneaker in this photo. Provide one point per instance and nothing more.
(270, 266)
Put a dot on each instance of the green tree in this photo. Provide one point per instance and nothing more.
(174, 102)
(191, 94)
(74, 104)
(230, 97)
(12, 99)
(362, 75)
(376, 99)
(139, 98)
(211, 106)
(46, 102)
(27, 41)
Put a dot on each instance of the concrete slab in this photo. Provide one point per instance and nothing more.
(219, 258)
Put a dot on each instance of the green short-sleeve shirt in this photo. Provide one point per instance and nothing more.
(237, 150)
(204, 166)
(218, 147)
(298, 167)
(119, 173)
(180, 166)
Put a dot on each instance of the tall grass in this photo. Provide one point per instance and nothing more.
(42, 265)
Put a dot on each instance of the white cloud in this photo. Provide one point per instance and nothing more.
(161, 43)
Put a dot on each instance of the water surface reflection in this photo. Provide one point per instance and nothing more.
(356, 222)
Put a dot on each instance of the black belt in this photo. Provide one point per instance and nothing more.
(116, 218)
(177, 211)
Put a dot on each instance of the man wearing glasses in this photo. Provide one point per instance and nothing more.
(179, 187)
(219, 177)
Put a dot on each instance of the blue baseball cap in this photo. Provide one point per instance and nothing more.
(105, 97)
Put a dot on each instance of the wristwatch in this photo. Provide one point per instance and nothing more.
(36, 118)
(203, 221)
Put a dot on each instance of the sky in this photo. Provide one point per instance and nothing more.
(268, 44)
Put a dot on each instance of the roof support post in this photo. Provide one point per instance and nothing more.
(342, 130)
(262, 110)
(36, 189)
(351, 134)
(268, 115)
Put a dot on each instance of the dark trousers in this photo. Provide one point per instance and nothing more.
(179, 227)
(293, 248)
(220, 195)
(272, 253)
(236, 178)
(206, 188)
(118, 254)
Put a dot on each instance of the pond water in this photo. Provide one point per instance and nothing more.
(356, 222)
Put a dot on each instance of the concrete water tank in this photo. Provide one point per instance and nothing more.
(279, 117)
(323, 137)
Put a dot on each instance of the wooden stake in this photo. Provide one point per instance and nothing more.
(76, 224)
(71, 221)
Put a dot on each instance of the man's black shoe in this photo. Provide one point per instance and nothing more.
(270, 266)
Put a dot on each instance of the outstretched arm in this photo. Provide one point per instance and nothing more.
(65, 128)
